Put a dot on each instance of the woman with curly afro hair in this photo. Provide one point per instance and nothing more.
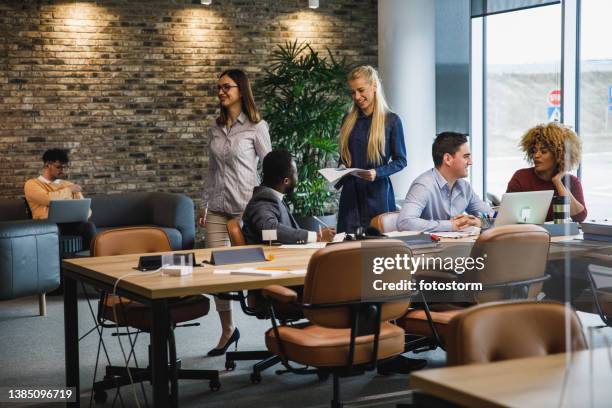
(554, 150)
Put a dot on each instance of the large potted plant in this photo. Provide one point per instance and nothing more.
(303, 102)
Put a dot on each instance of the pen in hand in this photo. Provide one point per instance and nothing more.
(320, 221)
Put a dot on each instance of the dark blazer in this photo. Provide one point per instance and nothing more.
(266, 211)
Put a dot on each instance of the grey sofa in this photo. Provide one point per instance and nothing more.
(29, 256)
(173, 212)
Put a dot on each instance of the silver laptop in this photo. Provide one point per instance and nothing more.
(529, 207)
(61, 211)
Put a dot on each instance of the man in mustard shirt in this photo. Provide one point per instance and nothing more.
(49, 186)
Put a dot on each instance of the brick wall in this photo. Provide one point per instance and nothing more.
(127, 85)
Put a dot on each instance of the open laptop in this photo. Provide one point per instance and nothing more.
(61, 211)
(529, 207)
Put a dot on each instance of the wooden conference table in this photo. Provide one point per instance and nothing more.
(102, 272)
(579, 379)
(155, 290)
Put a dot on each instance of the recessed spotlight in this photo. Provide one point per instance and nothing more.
(313, 4)
(206, 2)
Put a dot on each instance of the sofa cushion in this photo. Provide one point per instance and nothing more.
(119, 210)
(174, 235)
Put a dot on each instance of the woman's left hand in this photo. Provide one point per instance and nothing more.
(369, 175)
(558, 178)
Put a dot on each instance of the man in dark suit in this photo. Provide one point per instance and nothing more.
(267, 211)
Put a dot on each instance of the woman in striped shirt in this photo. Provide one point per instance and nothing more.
(237, 140)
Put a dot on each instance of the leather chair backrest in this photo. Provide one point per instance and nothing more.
(385, 222)
(234, 229)
(513, 253)
(344, 273)
(506, 330)
(123, 241)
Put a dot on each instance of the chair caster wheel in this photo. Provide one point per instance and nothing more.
(255, 378)
(230, 365)
(322, 376)
(100, 396)
(214, 385)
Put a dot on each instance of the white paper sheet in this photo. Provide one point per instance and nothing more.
(332, 174)
(312, 245)
(468, 232)
(251, 271)
(339, 237)
(394, 234)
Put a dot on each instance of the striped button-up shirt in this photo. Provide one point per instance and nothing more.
(232, 164)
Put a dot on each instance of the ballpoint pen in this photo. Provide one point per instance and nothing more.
(320, 221)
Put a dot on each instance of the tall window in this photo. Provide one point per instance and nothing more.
(596, 106)
(522, 83)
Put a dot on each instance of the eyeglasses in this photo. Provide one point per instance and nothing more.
(226, 87)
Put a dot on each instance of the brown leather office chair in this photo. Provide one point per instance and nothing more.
(385, 222)
(253, 305)
(507, 330)
(514, 268)
(129, 313)
(348, 330)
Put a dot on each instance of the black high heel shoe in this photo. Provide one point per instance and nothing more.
(220, 351)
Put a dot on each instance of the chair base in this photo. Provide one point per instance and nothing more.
(117, 376)
(420, 344)
(267, 360)
(337, 401)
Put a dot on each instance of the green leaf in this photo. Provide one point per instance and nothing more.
(304, 99)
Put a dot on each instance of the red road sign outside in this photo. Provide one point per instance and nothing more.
(554, 97)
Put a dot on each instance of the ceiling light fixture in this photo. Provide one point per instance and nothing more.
(206, 2)
(313, 4)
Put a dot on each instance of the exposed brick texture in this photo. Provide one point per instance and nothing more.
(128, 85)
